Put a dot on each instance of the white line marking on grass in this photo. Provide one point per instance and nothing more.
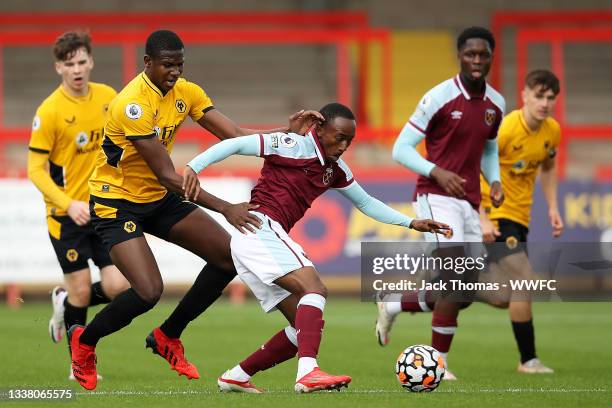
(399, 391)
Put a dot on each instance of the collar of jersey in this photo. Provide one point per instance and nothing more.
(466, 94)
(524, 124)
(312, 134)
(76, 99)
(152, 85)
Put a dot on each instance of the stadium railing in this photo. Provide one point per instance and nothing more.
(556, 28)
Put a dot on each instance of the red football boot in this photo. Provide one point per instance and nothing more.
(318, 380)
(83, 359)
(172, 350)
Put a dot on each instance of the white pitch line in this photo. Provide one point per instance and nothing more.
(453, 391)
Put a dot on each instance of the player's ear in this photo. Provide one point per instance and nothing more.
(147, 61)
(524, 95)
(58, 67)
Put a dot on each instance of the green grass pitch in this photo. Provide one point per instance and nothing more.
(573, 338)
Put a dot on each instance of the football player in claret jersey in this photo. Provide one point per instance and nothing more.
(296, 171)
(528, 141)
(135, 189)
(66, 137)
(458, 119)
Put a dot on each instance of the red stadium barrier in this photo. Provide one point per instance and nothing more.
(254, 28)
(557, 37)
(556, 29)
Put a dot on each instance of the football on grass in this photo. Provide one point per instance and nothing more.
(419, 368)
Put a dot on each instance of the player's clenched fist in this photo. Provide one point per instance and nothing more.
(449, 181)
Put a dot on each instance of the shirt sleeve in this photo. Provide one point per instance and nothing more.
(42, 138)
(135, 118)
(244, 145)
(425, 112)
(345, 178)
(37, 173)
(200, 102)
(373, 207)
(556, 139)
(279, 144)
(405, 153)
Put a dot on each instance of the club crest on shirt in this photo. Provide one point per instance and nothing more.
(490, 117)
(327, 175)
(180, 105)
(133, 111)
(287, 141)
(81, 139)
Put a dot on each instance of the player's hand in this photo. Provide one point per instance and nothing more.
(556, 222)
(449, 181)
(432, 226)
(497, 194)
(303, 120)
(191, 184)
(79, 212)
(239, 216)
(489, 230)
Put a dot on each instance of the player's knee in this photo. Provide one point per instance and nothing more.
(319, 288)
(499, 304)
(80, 296)
(115, 287)
(152, 292)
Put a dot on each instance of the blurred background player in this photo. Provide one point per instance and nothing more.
(296, 171)
(135, 189)
(66, 137)
(528, 141)
(459, 120)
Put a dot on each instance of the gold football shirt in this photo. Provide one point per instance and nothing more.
(141, 110)
(521, 153)
(69, 130)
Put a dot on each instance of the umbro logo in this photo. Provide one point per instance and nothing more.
(456, 114)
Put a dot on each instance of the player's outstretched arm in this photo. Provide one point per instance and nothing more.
(245, 145)
(224, 128)
(156, 156)
(380, 211)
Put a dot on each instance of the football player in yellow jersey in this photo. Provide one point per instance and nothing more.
(66, 136)
(528, 141)
(135, 189)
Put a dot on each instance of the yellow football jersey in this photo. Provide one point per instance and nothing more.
(70, 130)
(142, 111)
(521, 153)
